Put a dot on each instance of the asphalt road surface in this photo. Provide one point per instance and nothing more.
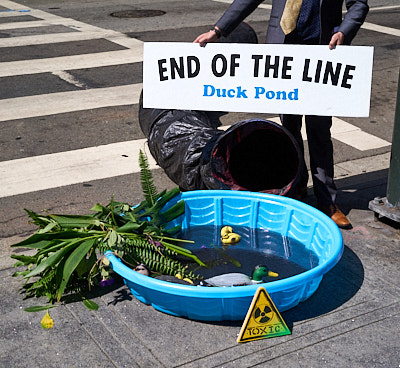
(70, 79)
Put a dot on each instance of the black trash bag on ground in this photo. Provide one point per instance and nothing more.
(256, 155)
(181, 141)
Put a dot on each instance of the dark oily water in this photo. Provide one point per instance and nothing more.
(283, 255)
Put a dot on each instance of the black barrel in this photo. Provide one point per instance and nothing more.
(256, 155)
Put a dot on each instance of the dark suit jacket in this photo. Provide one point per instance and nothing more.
(330, 14)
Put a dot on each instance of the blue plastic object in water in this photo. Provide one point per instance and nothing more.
(255, 210)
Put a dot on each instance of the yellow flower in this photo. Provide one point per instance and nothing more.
(47, 322)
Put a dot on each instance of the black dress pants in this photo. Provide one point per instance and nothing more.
(321, 154)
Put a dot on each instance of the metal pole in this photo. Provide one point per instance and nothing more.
(393, 188)
(389, 206)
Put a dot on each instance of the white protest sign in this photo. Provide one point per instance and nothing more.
(264, 78)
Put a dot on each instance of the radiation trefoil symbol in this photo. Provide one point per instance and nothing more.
(263, 314)
(263, 319)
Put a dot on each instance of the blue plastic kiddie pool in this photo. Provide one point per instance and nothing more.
(279, 214)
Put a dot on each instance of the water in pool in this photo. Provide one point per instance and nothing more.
(281, 254)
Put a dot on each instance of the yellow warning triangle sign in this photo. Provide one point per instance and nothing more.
(263, 319)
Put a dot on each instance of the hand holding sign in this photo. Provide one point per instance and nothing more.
(291, 79)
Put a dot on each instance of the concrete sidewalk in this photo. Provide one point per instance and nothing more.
(351, 321)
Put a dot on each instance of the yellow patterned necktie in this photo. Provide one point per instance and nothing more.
(290, 15)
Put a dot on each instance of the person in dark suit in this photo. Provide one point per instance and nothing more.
(307, 22)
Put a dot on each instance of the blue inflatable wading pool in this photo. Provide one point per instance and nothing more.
(255, 210)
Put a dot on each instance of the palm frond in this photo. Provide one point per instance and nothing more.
(148, 188)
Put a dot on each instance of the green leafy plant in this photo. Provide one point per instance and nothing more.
(69, 258)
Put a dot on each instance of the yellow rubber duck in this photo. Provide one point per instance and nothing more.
(225, 231)
(177, 279)
(232, 238)
(228, 236)
(179, 276)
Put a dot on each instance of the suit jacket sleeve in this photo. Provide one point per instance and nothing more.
(357, 11)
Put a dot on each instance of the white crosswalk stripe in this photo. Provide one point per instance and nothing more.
(350, 135)
(262, 6)
(71, 167)
(62, 102)
(65, 168)
(73, 62)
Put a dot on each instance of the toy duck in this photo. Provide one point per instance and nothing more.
(143, 269)
(177, 279)
(240, 279)
(228, 236)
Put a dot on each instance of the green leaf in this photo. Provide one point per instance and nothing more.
(175, 211)
(52, 260)
(53, 247)
(58, 278)
(39, 308)
(40, 221)
(48, 227)
(97, 208)
(74, 221)
(72, 262)
(112, 210)
(20, 273)
(184, 252)
(162, 201)
(176, 248)
(139, 208)
(38, 241)
(89, 304)
(159, 195)
(227, 257)
(112, 240)
(130, 227)
(26, 260)
(174, 230)
(85, 265)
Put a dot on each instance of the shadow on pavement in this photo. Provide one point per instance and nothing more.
(121, 295)
(337, 287)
